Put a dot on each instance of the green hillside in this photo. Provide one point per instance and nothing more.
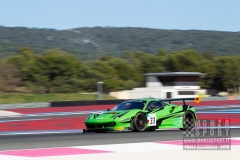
(90, 43)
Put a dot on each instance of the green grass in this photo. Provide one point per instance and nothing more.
(28, 98)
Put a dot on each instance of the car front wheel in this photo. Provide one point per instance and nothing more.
(140, 122)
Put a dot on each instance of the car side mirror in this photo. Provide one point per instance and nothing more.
(108, 109)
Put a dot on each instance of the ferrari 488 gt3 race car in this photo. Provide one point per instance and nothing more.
(145, 114)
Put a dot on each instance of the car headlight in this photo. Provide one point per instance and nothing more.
(88, 117)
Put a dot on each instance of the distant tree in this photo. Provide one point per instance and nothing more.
(91, 73)
(184, 61)
(25, 58)
(124, 70)
(209, 56)
(105, 57)
(9, 78)
(162, 53)
(54, 72)
(227, 73)
(152, 63)
(133, 60)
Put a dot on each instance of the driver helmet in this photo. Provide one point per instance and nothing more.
(150, 106)
(127, 106)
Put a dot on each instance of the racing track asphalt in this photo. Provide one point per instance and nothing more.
(82, 139)
(16, 142)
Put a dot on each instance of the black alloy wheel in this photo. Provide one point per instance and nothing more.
(140, 122)
(188, 121)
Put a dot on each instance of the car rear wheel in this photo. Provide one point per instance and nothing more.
(188, 121)
(139, 122)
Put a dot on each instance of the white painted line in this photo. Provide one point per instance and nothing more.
(133, 147)
(6, 157)
(57, 131)
(140, 150)
(4, 113)
(52, 114)
(41, 132)
(20, 120)
(81, 131)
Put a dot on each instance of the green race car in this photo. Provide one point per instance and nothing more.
(145, 114)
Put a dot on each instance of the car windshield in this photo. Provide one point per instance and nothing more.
(129, 105)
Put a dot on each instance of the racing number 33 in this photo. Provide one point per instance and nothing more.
(152, 119)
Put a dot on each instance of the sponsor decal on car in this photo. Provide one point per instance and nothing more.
(119, 128)
(151, 119)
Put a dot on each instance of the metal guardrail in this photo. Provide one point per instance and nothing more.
(25, 105)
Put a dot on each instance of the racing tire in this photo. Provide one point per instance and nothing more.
(188, 121)
(139, 122)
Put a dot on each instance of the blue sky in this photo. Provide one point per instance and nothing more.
(220, 15)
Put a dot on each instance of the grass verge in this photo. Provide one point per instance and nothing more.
(28, 98)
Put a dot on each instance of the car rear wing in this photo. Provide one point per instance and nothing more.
(196, 99)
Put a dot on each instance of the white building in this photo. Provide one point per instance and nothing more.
(165, 85)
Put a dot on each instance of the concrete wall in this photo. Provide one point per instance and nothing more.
(25, 105)
(155, 89)
(155, 92)
(152, 81)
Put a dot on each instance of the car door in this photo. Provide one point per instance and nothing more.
(174, 115)
(157, 111)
